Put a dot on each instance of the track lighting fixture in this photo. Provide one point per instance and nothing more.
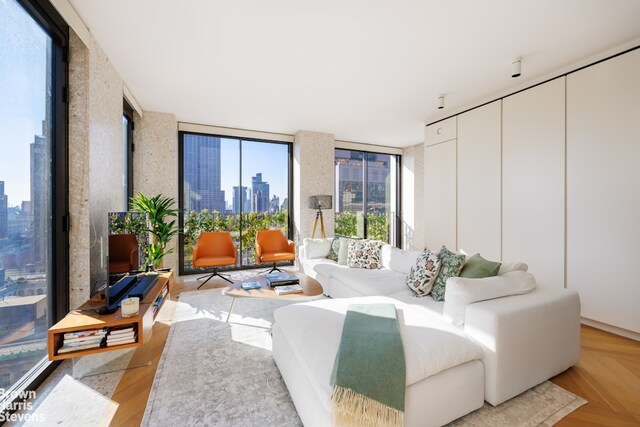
(440, 102)
(516, 67)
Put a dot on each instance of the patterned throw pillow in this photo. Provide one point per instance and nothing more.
(364, 254)
(335, 248)
(451, 264)
(422, 275)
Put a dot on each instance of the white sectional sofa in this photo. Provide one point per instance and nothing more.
(340, 281)
(523, 339)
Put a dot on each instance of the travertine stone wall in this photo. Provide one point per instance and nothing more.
(79, 277)
(155, 162)
(313, 174)
(96, 163)
(413, 198)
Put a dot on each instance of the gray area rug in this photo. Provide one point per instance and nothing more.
(213, 373)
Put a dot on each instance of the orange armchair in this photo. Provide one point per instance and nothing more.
(273, 246)
(214, 249)
(123, 253)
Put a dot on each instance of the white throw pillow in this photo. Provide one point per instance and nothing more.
(317, 248)
(398, 259)
(506, 267)
(460, 292)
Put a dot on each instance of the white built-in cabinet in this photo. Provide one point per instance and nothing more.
(603, 190)
(440, 194)
(533, 164)
(549, 176)
(479, 180)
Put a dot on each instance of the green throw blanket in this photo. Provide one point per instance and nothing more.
(369, 373)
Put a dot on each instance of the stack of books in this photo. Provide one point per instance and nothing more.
(288, 289)
(82, 340)
(281, 279)
(247, 286)
(158, 302)
(121, 335)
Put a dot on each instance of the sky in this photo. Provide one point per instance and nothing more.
(270, 159)
(23, 48)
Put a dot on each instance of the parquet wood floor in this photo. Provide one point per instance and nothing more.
(607, 376)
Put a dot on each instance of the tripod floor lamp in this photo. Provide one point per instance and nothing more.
(319, 203)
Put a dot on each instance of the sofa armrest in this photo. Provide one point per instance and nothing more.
(527, 339)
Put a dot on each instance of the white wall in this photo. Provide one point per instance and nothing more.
(413, 198)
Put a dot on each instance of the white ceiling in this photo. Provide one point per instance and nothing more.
(365, 70)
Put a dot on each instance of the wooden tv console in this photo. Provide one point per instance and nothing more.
(86, 319)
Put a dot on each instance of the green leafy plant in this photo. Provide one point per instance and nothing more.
(346, 223)
(161, 227)
(377, 225)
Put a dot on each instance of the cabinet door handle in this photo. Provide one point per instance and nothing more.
(438, 131)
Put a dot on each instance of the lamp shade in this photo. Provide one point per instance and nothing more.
(321, 202)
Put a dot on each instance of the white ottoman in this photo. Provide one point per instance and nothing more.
(445, 378)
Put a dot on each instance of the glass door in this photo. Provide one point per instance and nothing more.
(366, 183)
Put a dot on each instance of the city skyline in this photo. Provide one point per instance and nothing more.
(22, 106)
(212, 173)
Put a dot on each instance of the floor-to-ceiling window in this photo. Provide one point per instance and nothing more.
(232, 184)
(33, 189)
(367, 195)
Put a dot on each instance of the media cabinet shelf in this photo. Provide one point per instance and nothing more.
(85, 318)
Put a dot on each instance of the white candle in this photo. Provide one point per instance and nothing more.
(130, 306)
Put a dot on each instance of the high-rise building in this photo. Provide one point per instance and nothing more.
(285, 204)
(260, 193)
(241, 199)
(4, 206)
(274, 204)
(202, 160)
(349, 181)
(40, 185)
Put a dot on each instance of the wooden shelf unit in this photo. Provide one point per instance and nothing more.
(84, 318)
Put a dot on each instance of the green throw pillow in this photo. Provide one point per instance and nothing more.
(450, 265)
(477, 267)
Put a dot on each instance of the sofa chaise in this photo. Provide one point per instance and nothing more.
(496, 349)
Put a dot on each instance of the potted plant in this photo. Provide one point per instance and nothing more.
(162, 228)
